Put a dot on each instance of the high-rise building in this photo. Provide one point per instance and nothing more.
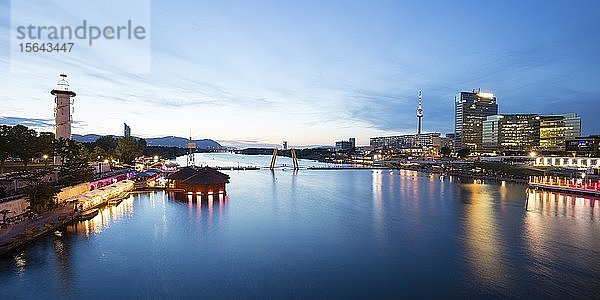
(126, 130)
(519, 132)
(555, 130)
(285, 145)
(573, 124)
(471, 109)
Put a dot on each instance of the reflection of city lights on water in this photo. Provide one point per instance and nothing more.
(106, 215)
(59, 246)
(20, 263)
(483, 239)
(551, 203)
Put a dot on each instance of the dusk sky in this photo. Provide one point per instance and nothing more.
(312, 72)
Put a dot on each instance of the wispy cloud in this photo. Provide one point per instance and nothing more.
(313, 72)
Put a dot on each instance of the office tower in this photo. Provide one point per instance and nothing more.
(471, 109)
(555, 130)
(518, 132)
(126, 130)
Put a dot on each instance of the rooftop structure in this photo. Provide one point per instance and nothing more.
(201, 181)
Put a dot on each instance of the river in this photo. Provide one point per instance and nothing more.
(322, 234)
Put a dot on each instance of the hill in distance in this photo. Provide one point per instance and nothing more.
(167, 141)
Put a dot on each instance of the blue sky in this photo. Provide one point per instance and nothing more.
(312, 72)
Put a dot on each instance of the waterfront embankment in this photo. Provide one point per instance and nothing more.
(17, 235)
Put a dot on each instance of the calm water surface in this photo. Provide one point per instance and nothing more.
(323, 234)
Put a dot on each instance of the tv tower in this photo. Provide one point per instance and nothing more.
(419, 116)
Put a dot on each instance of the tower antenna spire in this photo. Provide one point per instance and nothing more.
(419, 116)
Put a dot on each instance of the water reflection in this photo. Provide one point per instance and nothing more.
(482, 239)
(198, 204)
(551, 203)
(558, 228)
(378, 213)
(106, 216)
(347, 234)
(63, 265)
(20, 263)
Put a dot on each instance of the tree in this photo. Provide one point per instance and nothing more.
(6, 145)
(98, 154)
(464, 152)
(25, 141)
(108, 143)
(445, 151)
(41, 196)
(74, 167)
(128, 149)
(45, 143)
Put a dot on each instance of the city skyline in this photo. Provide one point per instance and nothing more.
(313, 73)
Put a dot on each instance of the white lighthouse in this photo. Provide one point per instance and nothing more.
(62, 111)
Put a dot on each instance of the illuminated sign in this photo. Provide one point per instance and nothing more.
(485, 95)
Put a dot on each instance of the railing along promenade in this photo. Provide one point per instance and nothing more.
(565, 184)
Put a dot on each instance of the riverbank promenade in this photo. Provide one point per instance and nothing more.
(16, 235)
(19, 234)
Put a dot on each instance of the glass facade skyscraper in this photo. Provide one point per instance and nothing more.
(519, 132)
(555, 130)
(471, 109)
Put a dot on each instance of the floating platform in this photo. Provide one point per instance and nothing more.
(115, 202)
(88, 214)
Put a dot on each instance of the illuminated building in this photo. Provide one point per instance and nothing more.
(201, 181)
(555, 130)
(471, 109)
(584, 145)
(407, 141)
(447, 141)
(519, 132)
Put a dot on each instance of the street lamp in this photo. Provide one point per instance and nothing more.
(45, 156)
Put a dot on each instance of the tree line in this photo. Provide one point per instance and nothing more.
(28, 146)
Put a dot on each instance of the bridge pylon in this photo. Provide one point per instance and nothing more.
(294, 159)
